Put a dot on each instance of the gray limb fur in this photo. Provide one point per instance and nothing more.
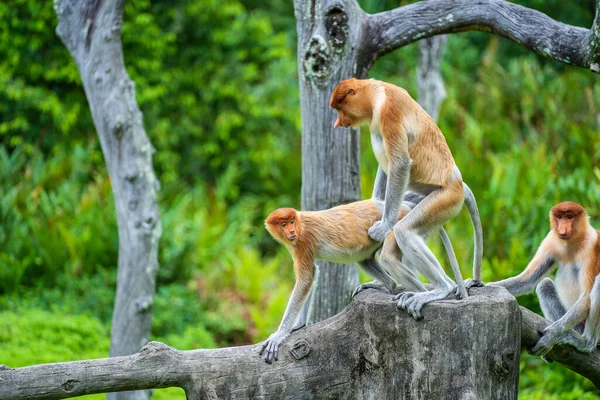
(471, 204)
(380, 184)
(303, 316)
(558, 331)
(372, 267)
(300, 293)
(552, 308)
(526, 282)
(586, 308)
(397, 183)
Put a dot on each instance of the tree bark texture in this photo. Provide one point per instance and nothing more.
(327, 33)
(91, 31)
(466, 349)
(429, 77)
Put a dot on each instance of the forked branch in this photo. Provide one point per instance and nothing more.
(532, 29)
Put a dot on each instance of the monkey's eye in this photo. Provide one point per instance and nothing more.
(283, 225)
(570, 216)
(292, 222)
(559, 216)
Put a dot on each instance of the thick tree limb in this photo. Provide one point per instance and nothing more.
(532, 29)
(587, 365)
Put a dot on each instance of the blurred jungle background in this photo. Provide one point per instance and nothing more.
(217, 83)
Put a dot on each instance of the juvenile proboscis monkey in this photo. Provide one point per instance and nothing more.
(339, 234)
(574, 296)
(413, 155)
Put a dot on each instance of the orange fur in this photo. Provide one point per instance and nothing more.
(573, 240)
(343, 227)
(408, 131)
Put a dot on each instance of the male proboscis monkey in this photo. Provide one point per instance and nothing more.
(412, 154)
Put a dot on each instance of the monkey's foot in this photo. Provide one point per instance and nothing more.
(370, 285)
(299, 326)
(581, 343)
(401, 298)
(469, 283)
(413, 303)
(379, 231)
(271, 345)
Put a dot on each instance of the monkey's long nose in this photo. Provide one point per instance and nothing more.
(337, 122)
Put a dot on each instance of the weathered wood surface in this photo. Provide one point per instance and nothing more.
(371, 350)
(469, 349)
(91, 31)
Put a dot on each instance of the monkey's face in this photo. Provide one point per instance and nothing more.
(282, 224)
(288, 230)
(565, 219)
(347, 101)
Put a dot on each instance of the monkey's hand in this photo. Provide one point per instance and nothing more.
(379, 231)
(546, 342)
(271, 346)
(371, 285)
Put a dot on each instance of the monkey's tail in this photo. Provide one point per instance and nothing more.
(477, 230)
(462, 291)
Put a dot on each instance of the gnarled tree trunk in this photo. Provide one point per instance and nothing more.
(91, 31)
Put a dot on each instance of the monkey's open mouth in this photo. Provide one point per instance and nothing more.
(564, 236)
(292, 237)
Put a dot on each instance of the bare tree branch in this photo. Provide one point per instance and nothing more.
(532, 29)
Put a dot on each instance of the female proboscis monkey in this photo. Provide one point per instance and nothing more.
(413, 153)
(574, 296)
(339, 234)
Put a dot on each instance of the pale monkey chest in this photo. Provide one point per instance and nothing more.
(379, 151)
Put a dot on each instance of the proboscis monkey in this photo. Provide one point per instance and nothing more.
(339, 234)
(412, 154)
(574, 296)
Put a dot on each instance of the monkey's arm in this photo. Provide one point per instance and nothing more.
(304, 281)
(397, 182)
(527, 280)
(556, 332)
(380, 184)
(302, 318)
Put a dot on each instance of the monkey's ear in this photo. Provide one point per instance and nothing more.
(351, 92)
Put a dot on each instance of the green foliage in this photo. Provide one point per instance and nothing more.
(217, 83)
(43, 338)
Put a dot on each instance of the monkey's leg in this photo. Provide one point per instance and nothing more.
(429, 215)
(384, 282)
(592, 324)
(589, 341)
(552, 307)
(390, 259)
(560, 331)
